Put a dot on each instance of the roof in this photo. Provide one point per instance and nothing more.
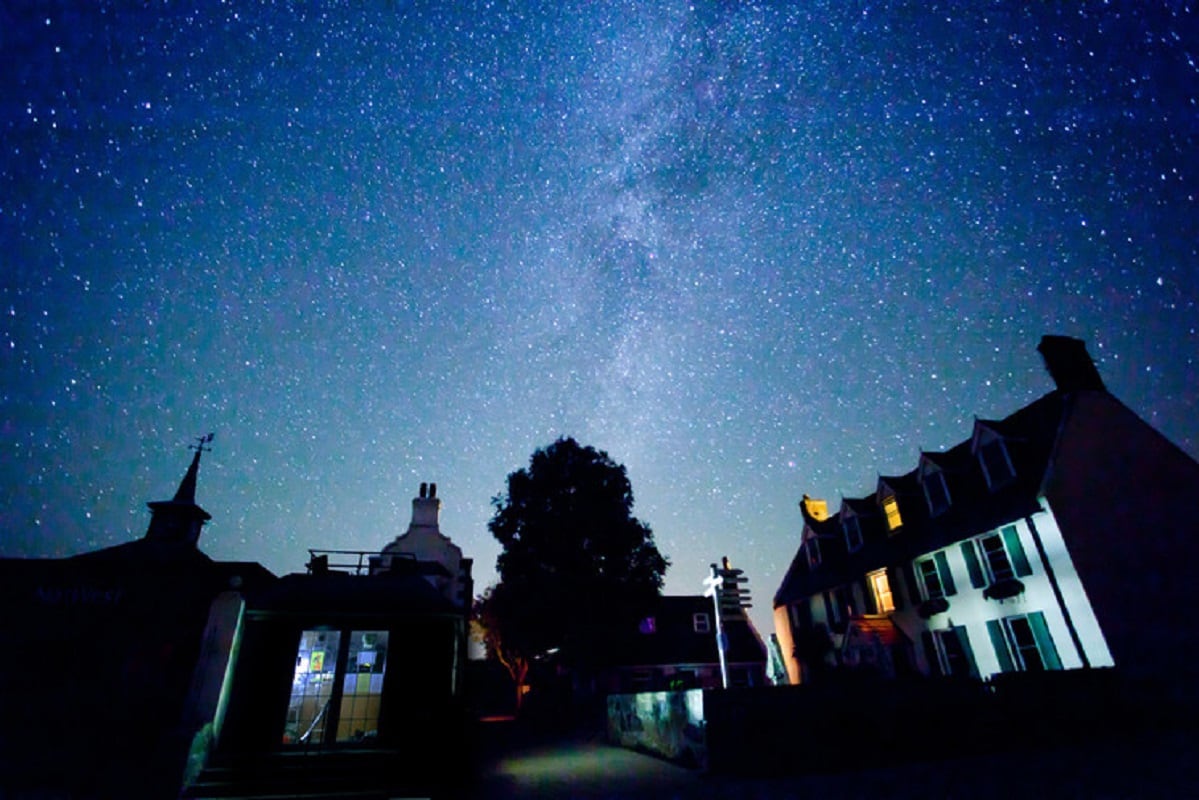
(340, 594)
(671, 638)
(1029, 436)
(873, 628)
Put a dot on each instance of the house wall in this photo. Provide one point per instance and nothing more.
(420, 703)
(1124, 499)
(782, 629)
(971, 609)
(1085, 645)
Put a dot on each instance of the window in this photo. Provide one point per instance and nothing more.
(995, 557)
(891, 509)
(997, 466)
(337, 687)
(853, 532)
(813, 546)
(701, 623)
(884, 600)
(934, 577)
(1023, 643)
(935, 492)
(838, 605)
(949, 653)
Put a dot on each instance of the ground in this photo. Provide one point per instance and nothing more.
(517, 764)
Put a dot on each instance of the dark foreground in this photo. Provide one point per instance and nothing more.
(515, 763)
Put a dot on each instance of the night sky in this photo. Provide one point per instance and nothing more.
(749, 250)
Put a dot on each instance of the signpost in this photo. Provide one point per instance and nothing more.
(723, 585)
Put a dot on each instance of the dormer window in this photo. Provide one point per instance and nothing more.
(813, 547)
(936, 491)
(993, 456)
(891, 510)
(853, 532)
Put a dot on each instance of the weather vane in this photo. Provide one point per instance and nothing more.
(200, 442)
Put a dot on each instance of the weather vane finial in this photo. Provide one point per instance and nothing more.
(200, 442)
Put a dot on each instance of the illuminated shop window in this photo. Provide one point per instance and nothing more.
(362, 687)
(312, 687)
(337, 686)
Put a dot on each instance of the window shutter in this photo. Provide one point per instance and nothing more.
(946, 575)
(977, 579)
(999, 642)
(1040, 632)
(898, 592)
(1011, 540)
(930, 652)
(912, 587)
(960, 630)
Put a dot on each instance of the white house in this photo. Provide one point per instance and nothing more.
(1059, 537)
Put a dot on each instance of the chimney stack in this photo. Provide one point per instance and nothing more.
(1069, 364)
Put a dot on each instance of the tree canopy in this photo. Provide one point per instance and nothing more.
(575, 561)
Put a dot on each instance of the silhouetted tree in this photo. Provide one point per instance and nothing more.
(576, 564)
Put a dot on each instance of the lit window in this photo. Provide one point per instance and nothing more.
(891, 509)
(701, 623)
(853, 532)
(881, 586)
(337, 687)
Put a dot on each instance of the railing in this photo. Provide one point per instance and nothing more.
(355, 562)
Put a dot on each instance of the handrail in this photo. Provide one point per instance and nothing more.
(319, 561)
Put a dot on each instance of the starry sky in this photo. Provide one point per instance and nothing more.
(751, 250)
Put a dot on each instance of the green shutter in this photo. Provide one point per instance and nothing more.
(1015, 551)
(946, 575)
(999, 642)
(1040, 632)
(910, 585)
(960, 630)
(977, 579)
(930, 653)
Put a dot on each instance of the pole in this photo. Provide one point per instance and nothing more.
(716, 580)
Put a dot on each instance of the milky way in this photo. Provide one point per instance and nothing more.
(750, 251)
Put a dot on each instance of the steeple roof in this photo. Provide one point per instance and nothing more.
(180, 519)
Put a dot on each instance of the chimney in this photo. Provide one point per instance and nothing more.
(813, 510)
(1069, 364)
(425, 509)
